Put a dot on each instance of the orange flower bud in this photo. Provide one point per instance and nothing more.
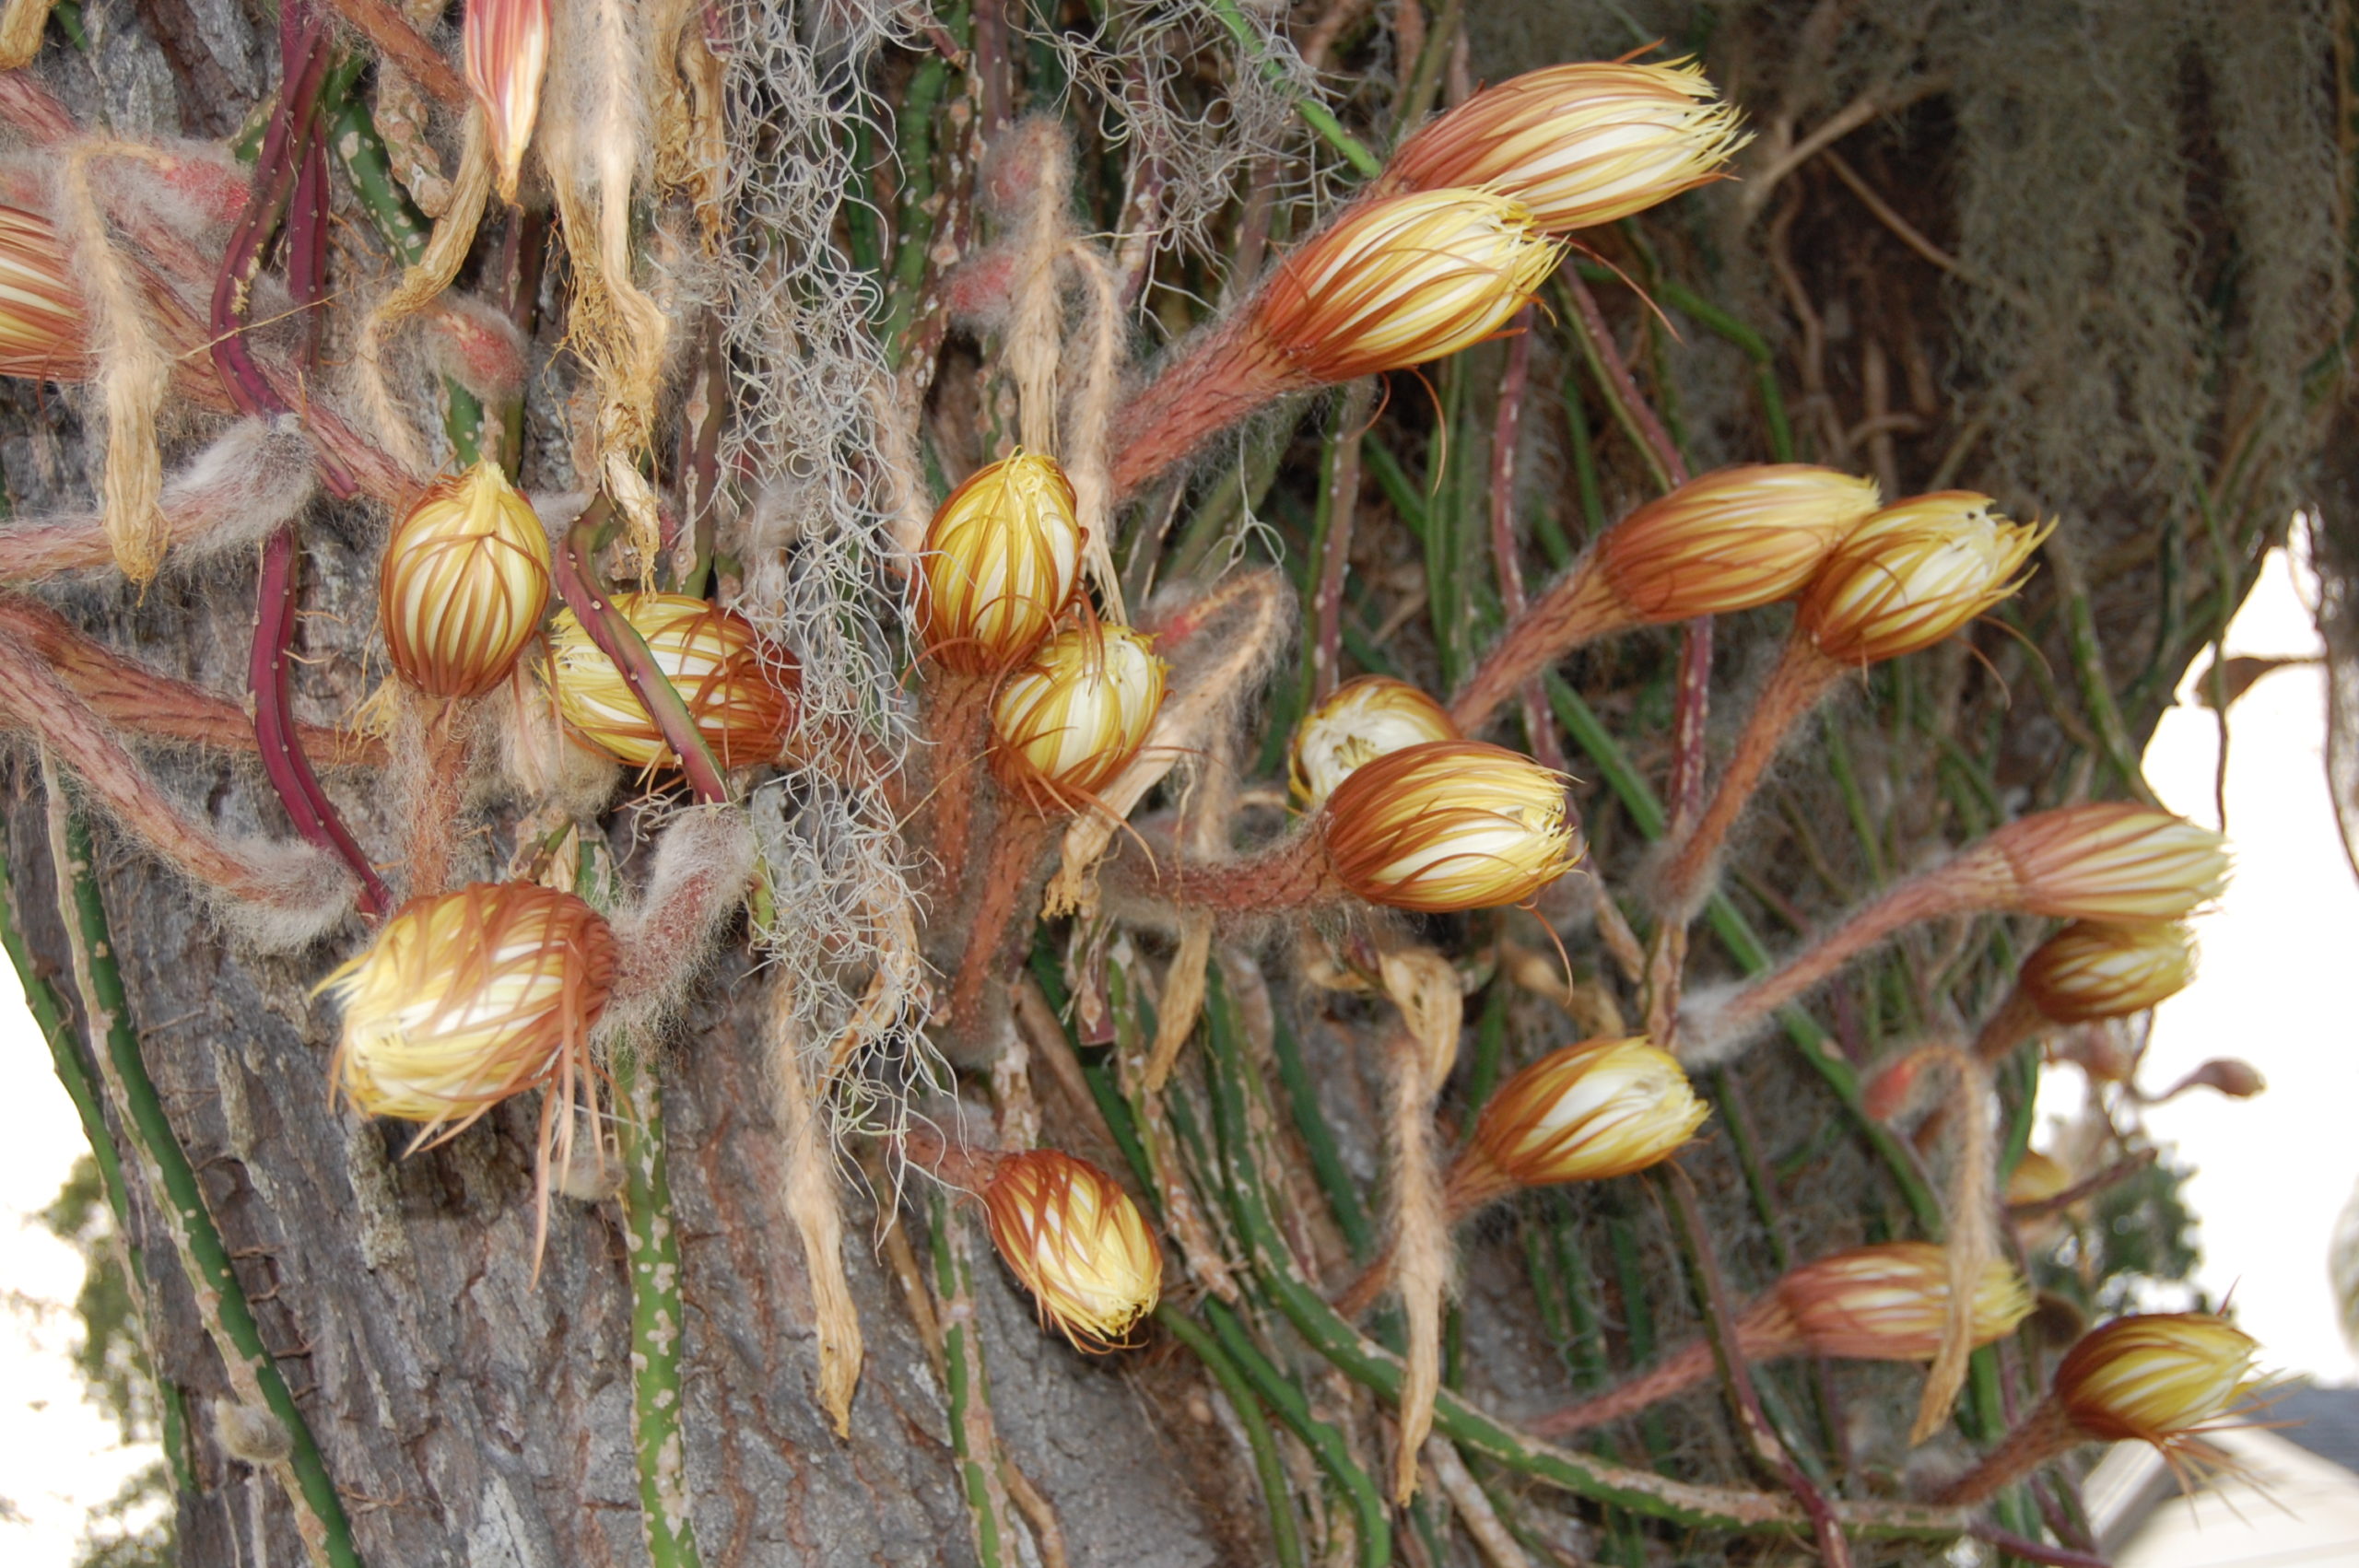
(466, 998)
(506, 48)
(1078, 1243)
(2092, 970)
(1001, 562)
(1397, 281)
(1578, 145)
(41, 311)
(464, 583)
(1892, 1303)
(1362, 719)
(713, 657)
(1602, 1108)
(1073, 717)
(2155, 1376)
(1449, 825)
(1732, 539)
(1914, 573)
(2112, 861)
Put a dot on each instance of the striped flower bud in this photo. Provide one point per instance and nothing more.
(41, 311)
(1401, 280)
(1892, 1302)
(1449, 826)
(2112, 861)
(1578, 145)
(467, 998)
(464, 583)
(1731, 540)
(1073, 717)
(713, 657)
(1914, 573)
(506, 48)
(1078, 1243)
(1364, 718)
(1602, 1108)
(2092, 970)
(2153, 1377)
(1000, 563)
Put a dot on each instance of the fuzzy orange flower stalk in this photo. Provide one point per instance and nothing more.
(1390, 283)
(713, 657)
(1884, 1303)
(2163, 1378)
(1360, 720)
(1905, 579)
(1586, 1112)
(1733, 539)
(2106, 860)
(467, 998)
(2090, 971)
(1578, 145)
(1062, 728)
(1073, 1237)
(1438, 827)
(41, 310)
(506, 48)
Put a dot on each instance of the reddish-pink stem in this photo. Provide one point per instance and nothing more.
(1334, 559)
(1506, 433)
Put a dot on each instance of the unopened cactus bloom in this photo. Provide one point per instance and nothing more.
(1892, 1302)
(1078, 1243)
(2095, 969)
(1361, 720)
(1600, 1109)
(2112, 861)
(41, 311)
(1072, 719)
(1001, 562)
(466, 998)
(507, 47)
(2155, 1376)
(713, 657)
(1732, 539)
(1578, 145)
(1912, 574)
(1449, 826)
(464, 584)
(1399, 280)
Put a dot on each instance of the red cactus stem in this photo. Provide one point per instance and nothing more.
(393, 38)
(279, 737)
(1802, 676)
(1539, 726)
(584, 592)
(306, 243)
(1334, 559)
(1578, 607)
(1218, 380)
(43, 704)
(1691, 715)
(1294, 874)
(2047, 1433)
(1007, 877)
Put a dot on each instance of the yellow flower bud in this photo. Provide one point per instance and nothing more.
(2112, 861)
(1731, 540)
(464, 583)
(2036, 1178)
(1001, 562)
(1399, 280)
(2092, 970)
(1449, 825)
(1914, 573)
(41, 311)
(1892, 1302)
(1362, 719)
(1602, 1108)
(1078, 1243)
(1073, 717)
(1578, 145)
(506, 48)
(2153, 1377)
(713, 657)
(466, 998)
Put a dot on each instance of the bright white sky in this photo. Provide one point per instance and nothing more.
(2278, 956)
(2273, 1172)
